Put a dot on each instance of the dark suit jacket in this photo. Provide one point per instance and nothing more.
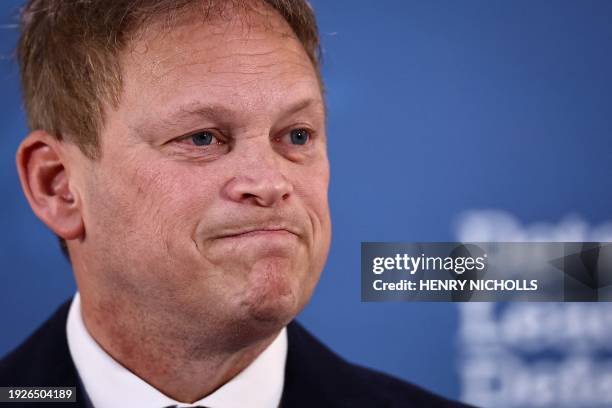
(314, 377)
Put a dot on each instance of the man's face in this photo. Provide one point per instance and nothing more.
(209, 201)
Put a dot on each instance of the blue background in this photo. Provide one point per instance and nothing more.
(435, 108)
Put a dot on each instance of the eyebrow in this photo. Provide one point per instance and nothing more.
(204, 110)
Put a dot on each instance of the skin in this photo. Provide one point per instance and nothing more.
(190, 259)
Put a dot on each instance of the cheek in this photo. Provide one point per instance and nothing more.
(175, 198)
(311, 187)
(152, 208)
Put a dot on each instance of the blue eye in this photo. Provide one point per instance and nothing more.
(202, 138)
(300, 136)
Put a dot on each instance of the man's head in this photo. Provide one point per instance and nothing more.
(179, 148)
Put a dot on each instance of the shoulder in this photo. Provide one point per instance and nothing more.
(318, 374)
(44, 358)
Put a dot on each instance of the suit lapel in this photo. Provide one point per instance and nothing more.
(316, 377)
(44, 360)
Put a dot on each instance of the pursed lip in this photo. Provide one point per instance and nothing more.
(259, 231)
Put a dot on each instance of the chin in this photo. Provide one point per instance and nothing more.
(275, 294)
(274, 308)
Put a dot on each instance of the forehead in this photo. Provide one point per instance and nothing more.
(246, 58)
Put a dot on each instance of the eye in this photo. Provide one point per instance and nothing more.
(299, 136)
(203, 138)
(204, 145)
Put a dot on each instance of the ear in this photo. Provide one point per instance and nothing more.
(45, 182)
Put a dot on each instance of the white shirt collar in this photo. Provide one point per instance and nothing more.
(110, 385)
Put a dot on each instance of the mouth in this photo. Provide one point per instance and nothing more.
(267, 232)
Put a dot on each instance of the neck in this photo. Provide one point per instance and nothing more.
(184, 361)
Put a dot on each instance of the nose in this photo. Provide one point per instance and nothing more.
(260, 183)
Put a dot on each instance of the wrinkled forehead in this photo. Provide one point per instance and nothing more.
(247, 56)
(249, 36)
